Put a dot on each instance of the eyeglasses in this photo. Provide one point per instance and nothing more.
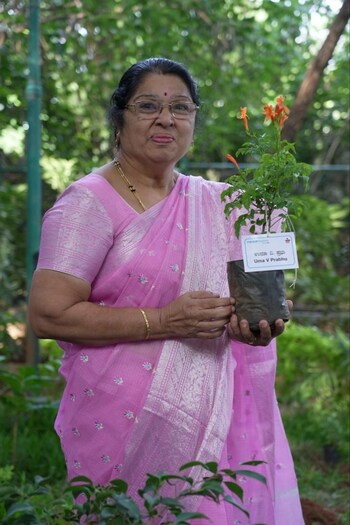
(149, 109)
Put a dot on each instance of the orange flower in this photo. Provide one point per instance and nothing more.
(282, 120)
(269, 113)
(280, 106)
(233, 160)
(244, 117)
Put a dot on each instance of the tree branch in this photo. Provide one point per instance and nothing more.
(314, 73)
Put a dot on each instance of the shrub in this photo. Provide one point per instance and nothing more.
(313, 384)
(35, 503)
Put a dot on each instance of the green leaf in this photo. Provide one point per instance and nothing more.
(213, 486)
(126, 503)
(80, 489)
(191, 464)
(119, 484)
(150, 501)
(170, 477)
(184, 516)
(83, 479)
(236, 504)
(21, 508)
(235, 488)
(254, 463)
(172, 502)
(212, 466)
(252, 474)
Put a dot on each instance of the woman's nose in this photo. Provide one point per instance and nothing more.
(165, 115)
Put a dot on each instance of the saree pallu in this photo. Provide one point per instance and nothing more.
(133, 408)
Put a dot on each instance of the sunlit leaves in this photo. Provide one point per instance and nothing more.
(236, 50)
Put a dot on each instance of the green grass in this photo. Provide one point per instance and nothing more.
(325, 483)
(37, 450)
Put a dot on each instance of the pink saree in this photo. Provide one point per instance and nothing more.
(133, 408)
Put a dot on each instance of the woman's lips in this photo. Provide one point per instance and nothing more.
(162, 139)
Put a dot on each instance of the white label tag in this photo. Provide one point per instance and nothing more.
(274, 251)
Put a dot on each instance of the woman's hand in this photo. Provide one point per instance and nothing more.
(240, 331)
(196, 314)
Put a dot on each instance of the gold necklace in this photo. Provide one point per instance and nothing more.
(128, 183)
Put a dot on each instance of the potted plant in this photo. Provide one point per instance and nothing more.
(262, 201)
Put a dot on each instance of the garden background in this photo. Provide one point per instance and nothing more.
(242, 53)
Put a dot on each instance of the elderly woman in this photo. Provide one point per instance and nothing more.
(131, 280)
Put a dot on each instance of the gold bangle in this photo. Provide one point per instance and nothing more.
(148, 328)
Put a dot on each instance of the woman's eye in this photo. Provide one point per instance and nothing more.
(149, 107)
(181, 107)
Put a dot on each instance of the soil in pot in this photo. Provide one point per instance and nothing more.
(258, 295)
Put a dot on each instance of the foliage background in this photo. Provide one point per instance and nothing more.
(242, 52)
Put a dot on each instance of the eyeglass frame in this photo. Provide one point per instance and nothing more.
(161, 107)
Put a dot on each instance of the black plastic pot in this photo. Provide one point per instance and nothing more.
(258, 295)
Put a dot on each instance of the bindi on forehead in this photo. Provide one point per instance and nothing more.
(165, 93)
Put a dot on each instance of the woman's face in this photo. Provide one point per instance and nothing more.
(162, 138)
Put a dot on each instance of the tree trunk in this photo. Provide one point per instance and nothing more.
(313, 75)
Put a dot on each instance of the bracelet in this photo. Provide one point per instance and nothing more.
(148, 328)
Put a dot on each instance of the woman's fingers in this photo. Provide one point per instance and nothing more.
(240, 331)
(213, 334)
(198, 314)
